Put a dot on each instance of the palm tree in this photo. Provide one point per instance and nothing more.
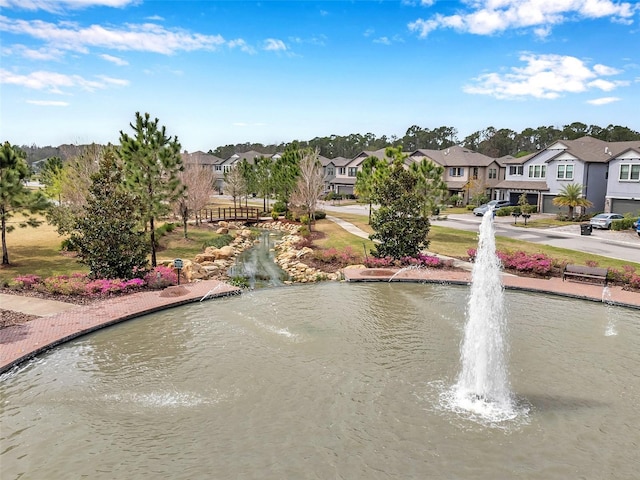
(571, 196)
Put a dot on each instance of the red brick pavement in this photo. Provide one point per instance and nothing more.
(21, 342)
(588, 291)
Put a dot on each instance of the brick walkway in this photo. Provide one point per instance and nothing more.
(582, 290)
(21, 342)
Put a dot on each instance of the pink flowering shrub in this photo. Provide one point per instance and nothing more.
(66, 284)
(621, 276)
(343, 257)
(421, 260)
(26, 281)
(107, 286)
(161, 277)
(634, 281)
(537, 263)
(520, 261)
(378, 262)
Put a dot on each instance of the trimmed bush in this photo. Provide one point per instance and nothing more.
(623, 224)
(218, 241)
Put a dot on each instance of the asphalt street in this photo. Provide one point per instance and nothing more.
(620, 245)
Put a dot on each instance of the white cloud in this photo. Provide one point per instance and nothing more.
(603, 100)
(382, 40)
(146, 37)
(487, 17)
(57, 82)
(274, 45)
(48, 103)
(242, 45)
(117, 60)
(544, 76)
(61, 5)
(40, 54)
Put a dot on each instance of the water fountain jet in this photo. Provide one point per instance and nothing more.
(483, 385)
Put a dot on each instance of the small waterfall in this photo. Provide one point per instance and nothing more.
(483, 385)
(257, 265)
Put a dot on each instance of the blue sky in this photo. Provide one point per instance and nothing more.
(226, 72)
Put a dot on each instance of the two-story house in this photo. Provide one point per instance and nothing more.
(623, 182)
(467, 173)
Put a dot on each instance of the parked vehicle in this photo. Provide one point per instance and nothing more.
(495, 204)
(636, 225)
(603, 220)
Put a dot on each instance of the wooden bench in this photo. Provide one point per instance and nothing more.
(582, 272)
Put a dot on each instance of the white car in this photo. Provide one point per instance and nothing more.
(495, 204)
(603, 220)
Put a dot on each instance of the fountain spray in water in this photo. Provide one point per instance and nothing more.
(483, 384)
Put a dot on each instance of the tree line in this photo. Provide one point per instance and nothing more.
(490, 141)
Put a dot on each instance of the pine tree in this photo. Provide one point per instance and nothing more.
(151, 161)
(15, 197)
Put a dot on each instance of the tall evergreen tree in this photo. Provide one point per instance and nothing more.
(285, 171)
(108, 237)
(151, 161)
(365, 179)
(398, 223)
(15, 197)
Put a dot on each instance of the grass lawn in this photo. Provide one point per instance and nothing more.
(37, 251)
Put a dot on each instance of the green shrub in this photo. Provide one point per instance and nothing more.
(470, 207)
(304, 219)
(218, 241)
(275, 215)
(279, 207)
(624, 224)
(319, 215)
(304, 231)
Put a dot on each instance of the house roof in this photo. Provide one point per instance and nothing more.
(344, 180)
(455, 156)
(200, 158)
(340, 161)
(511, 160)
(455, 184)
(522, 185)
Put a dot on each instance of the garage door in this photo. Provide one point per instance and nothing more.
(549, 207)
(532, 198)
(623, 206)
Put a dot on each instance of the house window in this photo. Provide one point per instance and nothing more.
(537, 171)
(516, 170)
(493, 173)
(218, 168)
(341, 171)
(475, 173)
(330, 171)
(226, 168)
(629, 172)
(565, 172)
(353, 171)
(456, 172)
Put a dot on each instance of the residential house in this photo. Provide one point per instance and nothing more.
(339, 176)
(603, 169)
(623, 182)
(467, 173)
(205, 160)
(523, 175)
